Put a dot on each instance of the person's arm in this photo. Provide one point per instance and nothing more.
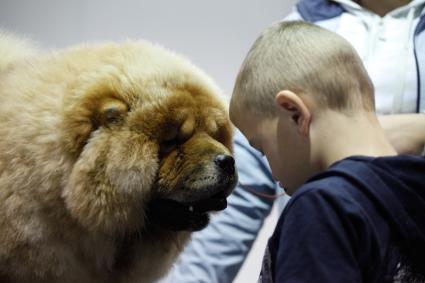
(215, 254)
(406, 132)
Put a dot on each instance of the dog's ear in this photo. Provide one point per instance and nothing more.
(85, 114)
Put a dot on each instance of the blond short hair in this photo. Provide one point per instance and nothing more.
(306, 59)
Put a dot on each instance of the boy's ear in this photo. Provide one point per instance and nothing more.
(291, 103)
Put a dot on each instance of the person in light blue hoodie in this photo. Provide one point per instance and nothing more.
(390, 39)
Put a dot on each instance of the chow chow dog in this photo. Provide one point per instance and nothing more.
(110, 156)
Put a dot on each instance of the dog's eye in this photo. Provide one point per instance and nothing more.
(111, 115)
(111, 111)
(169, 144)
(175, 134)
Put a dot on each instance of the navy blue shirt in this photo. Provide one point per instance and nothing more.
(362, 220)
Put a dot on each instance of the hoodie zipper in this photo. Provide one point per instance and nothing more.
(398, 97)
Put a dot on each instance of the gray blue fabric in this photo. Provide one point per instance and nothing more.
(315, 11)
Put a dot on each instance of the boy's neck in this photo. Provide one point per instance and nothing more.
(382, 7)
(335, 136)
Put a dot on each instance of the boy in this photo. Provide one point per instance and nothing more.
(304, 99)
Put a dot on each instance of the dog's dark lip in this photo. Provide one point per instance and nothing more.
(208, 202)
(178, 216)
(189, 211)
(216, 202)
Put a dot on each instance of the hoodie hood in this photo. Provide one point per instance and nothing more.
(318, 10)
(399, 191)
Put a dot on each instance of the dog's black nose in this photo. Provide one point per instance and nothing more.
(225, 162)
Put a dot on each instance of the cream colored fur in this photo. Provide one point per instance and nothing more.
(73, 183)
(14, 48)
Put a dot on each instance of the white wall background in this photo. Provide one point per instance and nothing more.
(215, 35)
